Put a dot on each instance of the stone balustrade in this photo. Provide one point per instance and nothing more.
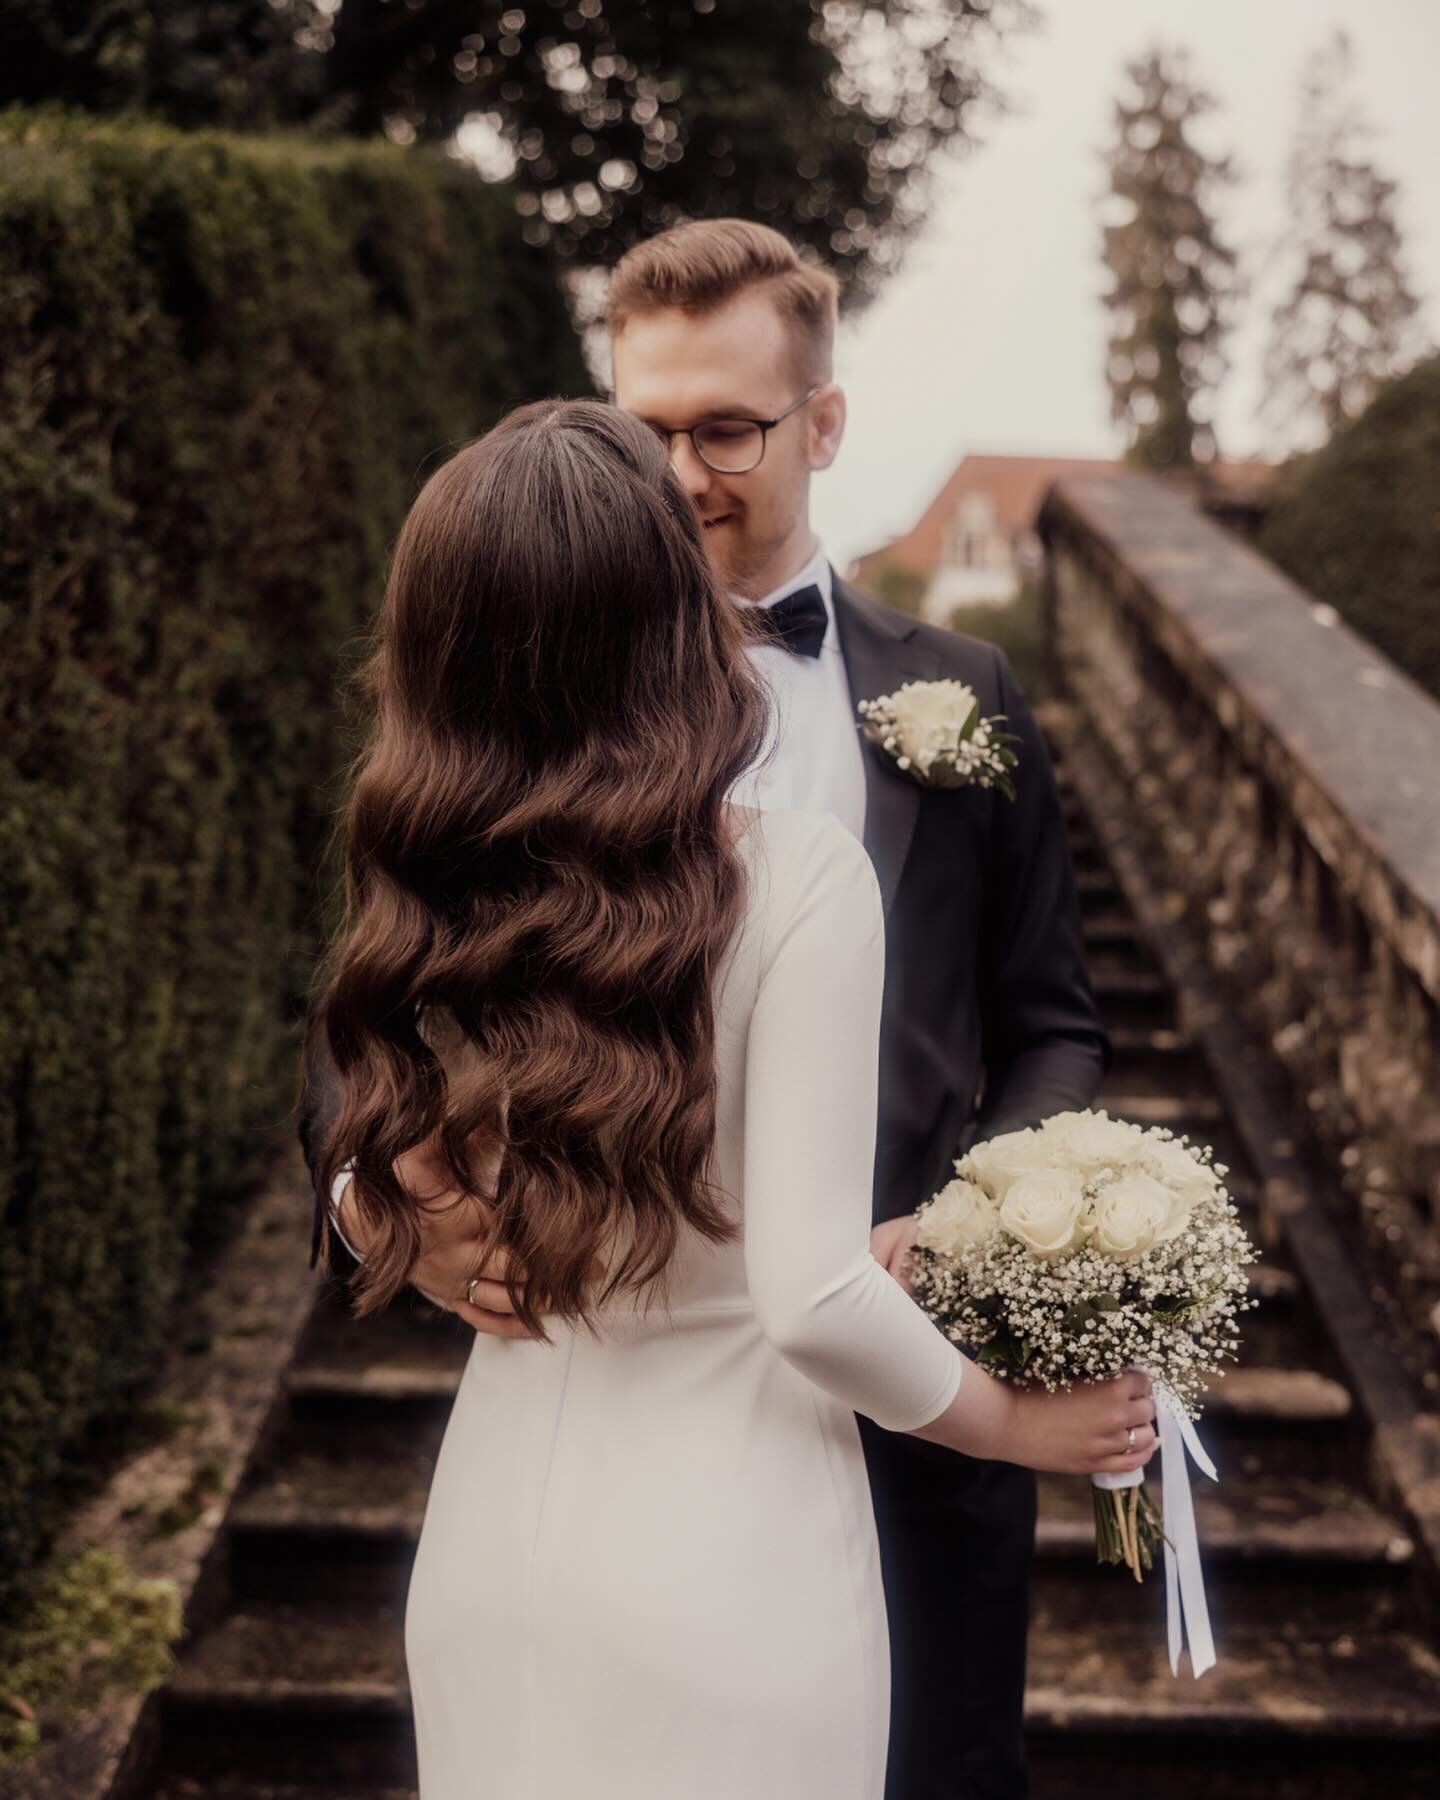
(1291, 777)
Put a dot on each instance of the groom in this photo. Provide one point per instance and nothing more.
(722, 342)
(713, 325)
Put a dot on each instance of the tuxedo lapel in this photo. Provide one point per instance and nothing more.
(882, 651)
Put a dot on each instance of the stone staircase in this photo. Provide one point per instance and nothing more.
(1326, 1687)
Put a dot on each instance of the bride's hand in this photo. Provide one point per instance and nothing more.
(450, 1233)
(1084, 1431)
(891, 1244)
(444, 1274)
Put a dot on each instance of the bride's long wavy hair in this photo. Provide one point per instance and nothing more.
(537, 848)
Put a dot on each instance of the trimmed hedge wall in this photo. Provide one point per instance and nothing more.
(1360, 524)
(226, 363)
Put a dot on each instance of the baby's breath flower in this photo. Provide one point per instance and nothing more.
(1156, 1279)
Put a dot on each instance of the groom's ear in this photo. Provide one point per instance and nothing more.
(827, 425)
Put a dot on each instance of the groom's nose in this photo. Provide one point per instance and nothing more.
(696, 479)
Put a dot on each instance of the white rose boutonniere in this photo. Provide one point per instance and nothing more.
(935, 732)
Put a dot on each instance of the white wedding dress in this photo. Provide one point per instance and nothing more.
(648, 1569)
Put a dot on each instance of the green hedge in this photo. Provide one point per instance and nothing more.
(1360, 523)
(226, 363)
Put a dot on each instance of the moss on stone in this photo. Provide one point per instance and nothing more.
(93, 1631)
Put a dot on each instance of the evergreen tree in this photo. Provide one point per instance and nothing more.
(1172, 279)
(1349, 320)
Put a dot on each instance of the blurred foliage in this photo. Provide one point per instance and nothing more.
(617, 117)
(1172, 279)
(1019, 629)
(228, 363)
(1359, 523)
(200, 62)
(1349, 320)
(897, 587)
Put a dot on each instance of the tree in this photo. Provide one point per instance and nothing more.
(1349, 320)
(613, 118)
(1173, 281)
(1357, 523)
(616, 118)
(202, 62)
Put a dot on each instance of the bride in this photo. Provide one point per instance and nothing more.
(588, 1013)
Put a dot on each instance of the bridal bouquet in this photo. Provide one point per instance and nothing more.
(1079, 1249)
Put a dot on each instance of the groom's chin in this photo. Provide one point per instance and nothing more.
(720, 546)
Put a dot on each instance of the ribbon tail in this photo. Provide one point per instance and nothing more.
(1186, 1613)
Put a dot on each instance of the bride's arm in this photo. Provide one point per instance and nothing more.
(810, 1121)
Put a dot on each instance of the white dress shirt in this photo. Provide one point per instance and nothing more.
(813, 758)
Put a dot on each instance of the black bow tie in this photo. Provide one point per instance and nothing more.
(798, 621)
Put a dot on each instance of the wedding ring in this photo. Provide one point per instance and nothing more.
(470, 1299)
(1130, 1441)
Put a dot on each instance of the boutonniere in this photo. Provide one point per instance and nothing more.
(934, 731)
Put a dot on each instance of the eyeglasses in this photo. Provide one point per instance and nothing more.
(732, 446)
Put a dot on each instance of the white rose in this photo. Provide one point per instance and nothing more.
(1130, 1214)
(961, 1216)
(1089, 1141)
(1188, 1180)
(1045, 1211)
(928, 718)
(1000, 1160)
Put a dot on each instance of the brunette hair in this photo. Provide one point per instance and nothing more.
(699, 266)
(536, 853)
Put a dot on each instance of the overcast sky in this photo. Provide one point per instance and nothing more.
(991, 336)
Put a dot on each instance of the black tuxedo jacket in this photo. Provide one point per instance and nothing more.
(985, 979)
(989, 1022)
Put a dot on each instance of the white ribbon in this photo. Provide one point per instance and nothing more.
(1186, 1612)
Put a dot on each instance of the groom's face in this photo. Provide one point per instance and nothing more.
(676, 369)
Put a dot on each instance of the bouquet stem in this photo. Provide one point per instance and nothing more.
(1127, 1528)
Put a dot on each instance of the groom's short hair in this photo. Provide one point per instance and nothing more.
(701, 265)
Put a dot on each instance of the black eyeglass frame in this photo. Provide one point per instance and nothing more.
(765, 427)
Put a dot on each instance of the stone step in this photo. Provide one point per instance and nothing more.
(1154, 1047)
(1193, 1112)
(220, 1787)
(1114, 979)
(1087, 1762)
(1318, 1524)
(1267, 1682)
(1276, 1719)
(1098, 890)
(1261, 1396)
(1273, 1285)
(1115, 930)
(1279, 1397)
(285, 1693)
(313, 1502)
(294, 1694)
(1086, 852)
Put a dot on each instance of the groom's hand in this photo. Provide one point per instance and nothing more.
(891, 1244)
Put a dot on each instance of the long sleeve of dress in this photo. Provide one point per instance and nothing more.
(810, 1121)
